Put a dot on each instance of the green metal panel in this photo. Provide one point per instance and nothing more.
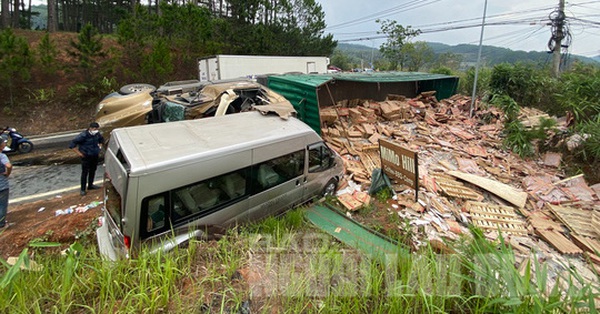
(443, 87)
(301, 91)
(353, 234)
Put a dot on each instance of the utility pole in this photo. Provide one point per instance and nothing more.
(478, 61)
(557, 36)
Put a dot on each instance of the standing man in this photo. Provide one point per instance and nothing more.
(5, 170)
(87, 145)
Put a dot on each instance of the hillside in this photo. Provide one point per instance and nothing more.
(491, 55)
(49, 103)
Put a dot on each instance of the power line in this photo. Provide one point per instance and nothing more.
(417, 4)
(511, 41)
(522, 17)
(456, 27)
(429, 28)
(490, 17)
(585, 21)
(397, 9)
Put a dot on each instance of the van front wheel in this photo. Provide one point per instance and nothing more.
(330, 188)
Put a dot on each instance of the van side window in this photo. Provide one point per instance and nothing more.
(278, 170)
(156, 210)
(320, 158)
(122, 160)
(202, 197)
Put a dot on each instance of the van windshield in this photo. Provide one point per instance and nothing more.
(112, 201)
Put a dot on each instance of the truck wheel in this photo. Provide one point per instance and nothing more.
(25, 147)
(330, 188)
(137, 87)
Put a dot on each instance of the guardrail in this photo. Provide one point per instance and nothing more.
(53, 139)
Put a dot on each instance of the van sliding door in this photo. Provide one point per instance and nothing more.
(320, 161)
(277, 185)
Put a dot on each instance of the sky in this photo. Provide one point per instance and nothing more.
(512, 24)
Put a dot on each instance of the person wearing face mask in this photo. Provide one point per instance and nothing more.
(87, 145)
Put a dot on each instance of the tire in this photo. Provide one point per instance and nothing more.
(330, 187)
(25, 147)
(137, 87)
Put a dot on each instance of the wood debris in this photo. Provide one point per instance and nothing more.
(559, 241)
(552, 159)
(515, 197)
(453, 188)
(580, 221)
(496, 217)
(465, 176)
(586, 244)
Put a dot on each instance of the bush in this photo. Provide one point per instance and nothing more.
(518, 139)
(579, 92)
(483, 82)
(442, 70)
(528, 85)
(591, 146)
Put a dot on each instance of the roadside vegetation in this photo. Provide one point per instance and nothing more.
(284, 265)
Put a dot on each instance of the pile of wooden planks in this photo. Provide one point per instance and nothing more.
(464, 173)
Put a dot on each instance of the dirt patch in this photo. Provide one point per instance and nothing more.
(37, 221)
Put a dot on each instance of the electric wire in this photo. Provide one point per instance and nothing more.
(371, 17)
(522, 17)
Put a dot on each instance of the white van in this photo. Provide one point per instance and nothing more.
(167, 183)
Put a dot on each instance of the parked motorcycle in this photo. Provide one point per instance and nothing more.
(16, 142)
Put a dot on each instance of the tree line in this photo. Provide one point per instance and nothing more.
(154, 42)
(251, 26)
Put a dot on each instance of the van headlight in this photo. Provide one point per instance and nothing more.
(99, 107)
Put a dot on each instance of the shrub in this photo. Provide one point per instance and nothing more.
(527, 84)
(591, 146)
(518, 139)
(483, 82)
(579, 92)
(46, 53)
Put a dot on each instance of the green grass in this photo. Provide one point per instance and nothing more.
(284, 265)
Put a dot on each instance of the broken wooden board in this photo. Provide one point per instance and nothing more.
(580, 221)
(586, 244)
(558, 241)
(456, 189)
(349, 202)
(540, 220)
(491, 217)
(370, 159)
(506, 192)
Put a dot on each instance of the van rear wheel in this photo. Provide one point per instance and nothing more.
(330, 188)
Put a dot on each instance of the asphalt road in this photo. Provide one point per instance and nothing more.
(30, 183)
(46, 172)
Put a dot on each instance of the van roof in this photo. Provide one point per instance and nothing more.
(153, 147)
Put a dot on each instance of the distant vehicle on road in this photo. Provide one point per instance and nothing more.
(137, 104)
(165, 185)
